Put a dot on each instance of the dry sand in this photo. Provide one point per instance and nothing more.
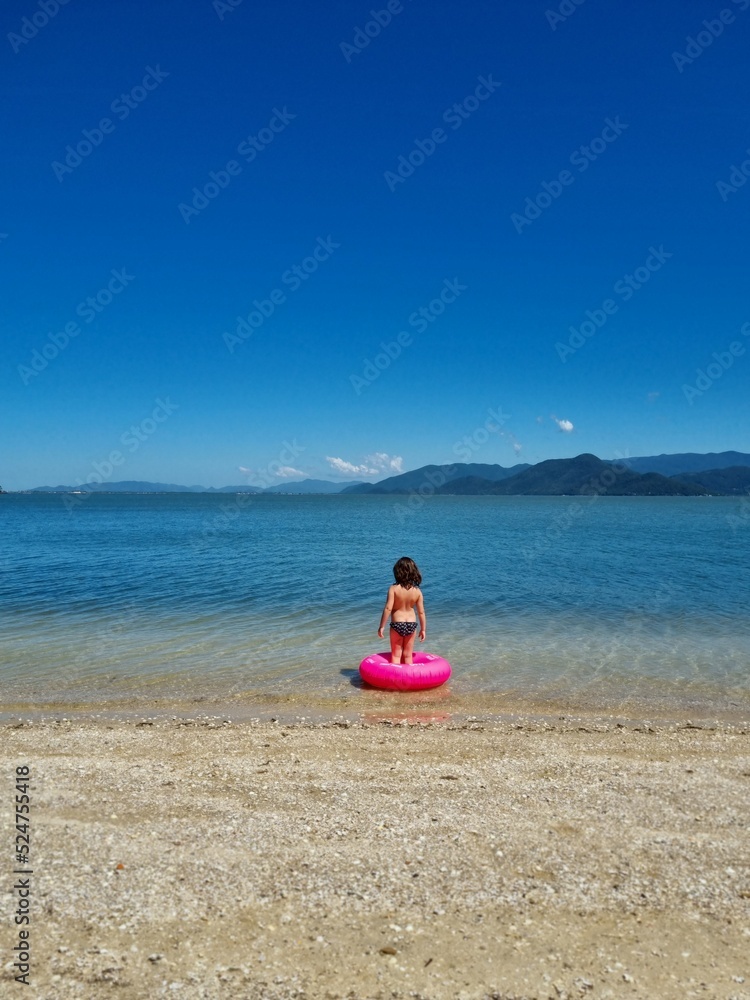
(507, 859)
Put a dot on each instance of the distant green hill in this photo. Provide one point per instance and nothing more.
(127, 486)
(583, 475)
(436, 475)
(135, 486)
(673, 465)
(733, 481)
(312, 486)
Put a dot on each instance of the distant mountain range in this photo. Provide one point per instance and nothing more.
(673, 465)
(312, 486)
(731, 482)
(135, 486)
(724, 473)
(583, 475)
(691, 474)
(437, 475)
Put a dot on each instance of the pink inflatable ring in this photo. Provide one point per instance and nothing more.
(427, 671)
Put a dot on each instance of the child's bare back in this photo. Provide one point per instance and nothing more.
(403, 601)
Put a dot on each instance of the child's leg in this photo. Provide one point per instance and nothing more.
(397, 645)
(408, 647)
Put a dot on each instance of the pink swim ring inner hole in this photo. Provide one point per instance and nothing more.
(426, 671)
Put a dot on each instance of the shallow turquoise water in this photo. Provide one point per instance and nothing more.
(549, 597)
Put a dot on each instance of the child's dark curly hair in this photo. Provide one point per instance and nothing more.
(407, 573)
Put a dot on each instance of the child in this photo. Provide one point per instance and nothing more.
(402, 598)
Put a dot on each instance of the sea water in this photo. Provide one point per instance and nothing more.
(106, 597)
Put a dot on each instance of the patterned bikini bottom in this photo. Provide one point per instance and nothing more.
(404, 628)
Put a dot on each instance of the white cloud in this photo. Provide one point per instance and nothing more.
(652, 396)
(283, 472)
(514, 442)
(346, 467)
(565, 425)
(373, 465)
(381, 461)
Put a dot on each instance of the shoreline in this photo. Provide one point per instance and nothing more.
(372, 705)
(437, 861)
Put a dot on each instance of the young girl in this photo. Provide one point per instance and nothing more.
(402, 598)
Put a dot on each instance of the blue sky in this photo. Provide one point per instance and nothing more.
(544, 158)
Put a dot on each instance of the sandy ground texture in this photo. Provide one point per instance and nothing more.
(200, 858)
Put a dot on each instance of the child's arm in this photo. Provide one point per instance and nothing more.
(386, 611)
(422, 618)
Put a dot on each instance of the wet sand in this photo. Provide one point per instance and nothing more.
(387, 857)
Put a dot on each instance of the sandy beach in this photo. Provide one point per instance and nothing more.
(546, 858)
